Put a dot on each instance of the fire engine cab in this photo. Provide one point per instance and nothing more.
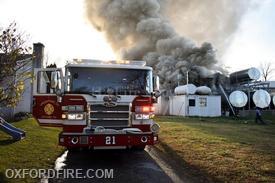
(98, 104)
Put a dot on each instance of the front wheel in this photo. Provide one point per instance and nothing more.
(138, 148)
(73, 149)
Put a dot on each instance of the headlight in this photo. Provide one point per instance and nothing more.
(142, 116)
(75, 116)
(155, 128)
(79, 116)
(64, 116)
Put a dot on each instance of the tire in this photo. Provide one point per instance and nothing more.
(138, 148)
(73, 149)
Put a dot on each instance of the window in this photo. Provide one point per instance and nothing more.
(44, 82)
(109, 80)
(203, 101)
(192, 102)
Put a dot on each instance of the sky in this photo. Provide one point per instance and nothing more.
(254, 42)
(62, 27)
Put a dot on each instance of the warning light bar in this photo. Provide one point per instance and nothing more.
(99, 62)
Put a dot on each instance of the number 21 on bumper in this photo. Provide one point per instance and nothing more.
(110, 140)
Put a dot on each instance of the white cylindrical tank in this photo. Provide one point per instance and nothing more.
(245, 75)
(254, 73)
(203, 90)
(238, 98)
(185, 89)
(261, 98)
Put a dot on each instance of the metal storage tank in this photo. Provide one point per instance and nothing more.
(245, 75)
(185, 89)
(261, 98)
(238, 98)
(203, 90)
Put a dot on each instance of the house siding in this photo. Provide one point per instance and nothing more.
(25, 104)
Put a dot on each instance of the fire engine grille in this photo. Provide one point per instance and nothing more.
(117, 116)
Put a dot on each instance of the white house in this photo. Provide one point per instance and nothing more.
(25, 104)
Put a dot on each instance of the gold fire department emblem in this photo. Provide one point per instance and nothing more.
(49, 109)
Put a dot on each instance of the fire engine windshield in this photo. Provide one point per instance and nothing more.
(109, 81)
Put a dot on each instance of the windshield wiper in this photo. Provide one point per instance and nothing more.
(92, 94)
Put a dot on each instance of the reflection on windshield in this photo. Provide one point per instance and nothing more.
(110, 81)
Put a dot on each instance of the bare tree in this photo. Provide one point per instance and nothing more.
(15, 65)
(266, 70)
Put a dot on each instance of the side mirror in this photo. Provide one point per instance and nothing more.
(54, 80)
(58, 92)
(155, 83)
(157, 93)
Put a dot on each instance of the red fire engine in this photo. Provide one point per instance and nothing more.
(98, 104)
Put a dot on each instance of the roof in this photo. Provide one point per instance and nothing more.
(271, 84)
(120, 64)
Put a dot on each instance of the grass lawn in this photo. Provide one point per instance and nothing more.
(38, 150)
(220, 149)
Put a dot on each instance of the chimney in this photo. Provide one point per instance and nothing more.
(38, 53)
(37, 62)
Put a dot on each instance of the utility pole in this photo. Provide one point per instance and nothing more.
(178, 77)
(187, 93)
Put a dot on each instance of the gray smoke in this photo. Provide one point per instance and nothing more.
(214, 21)
(140, 30)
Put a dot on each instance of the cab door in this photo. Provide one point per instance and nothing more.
(47, 109)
